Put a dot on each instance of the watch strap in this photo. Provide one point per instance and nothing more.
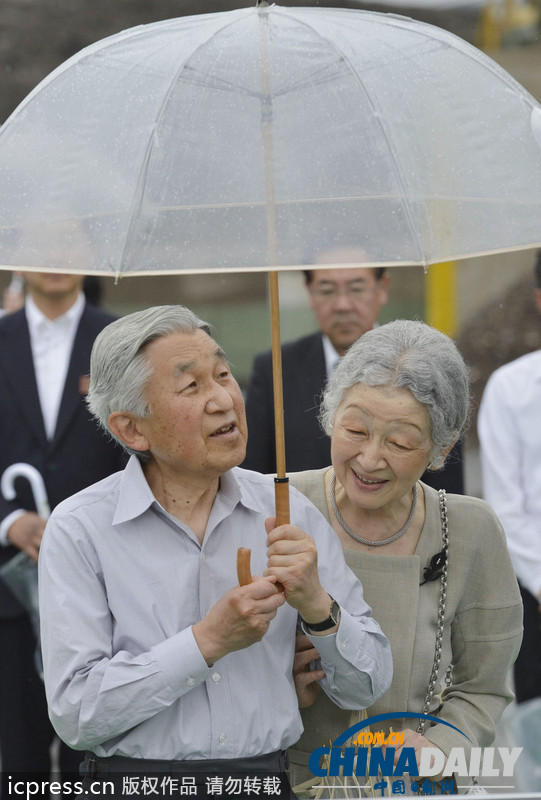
(331, 621)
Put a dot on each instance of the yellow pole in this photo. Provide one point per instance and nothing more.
(440, 297)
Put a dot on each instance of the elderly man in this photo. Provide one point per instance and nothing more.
(154, 658)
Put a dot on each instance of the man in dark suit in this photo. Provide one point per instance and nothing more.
(346, 304)
(44, 366)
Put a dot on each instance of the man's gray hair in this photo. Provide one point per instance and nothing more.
(408, 355)
(119, 367)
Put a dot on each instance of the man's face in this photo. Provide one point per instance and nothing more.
(197, 426)
(53, 285)
(346, 303)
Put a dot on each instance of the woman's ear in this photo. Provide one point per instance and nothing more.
(439, 460)
(124, 426)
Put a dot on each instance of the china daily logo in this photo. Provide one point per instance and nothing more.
(373, 754)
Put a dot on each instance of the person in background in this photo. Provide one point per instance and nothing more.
(44, 365)
(510, 438)
(434, 567)
(93, 289)
(13, 295)
(155, 659)
(346, 304)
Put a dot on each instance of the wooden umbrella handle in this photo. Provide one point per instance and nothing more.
(244, 574)
(281, 481)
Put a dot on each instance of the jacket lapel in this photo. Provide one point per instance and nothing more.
(316, 376)
(76, 385)
(18, 366)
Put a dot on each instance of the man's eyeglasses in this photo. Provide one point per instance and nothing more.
(328, 294)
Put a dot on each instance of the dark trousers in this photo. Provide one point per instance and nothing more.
(117, 776)
(527, 670)
(26, 733)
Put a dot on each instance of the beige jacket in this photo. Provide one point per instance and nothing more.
(482, 631)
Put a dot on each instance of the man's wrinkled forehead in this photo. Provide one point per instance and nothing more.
(217, 355)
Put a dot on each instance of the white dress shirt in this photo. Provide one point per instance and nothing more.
(331, 356)
(121, 584)
(51, 342)
(510, 436)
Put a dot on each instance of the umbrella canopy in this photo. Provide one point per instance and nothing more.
(257, 137)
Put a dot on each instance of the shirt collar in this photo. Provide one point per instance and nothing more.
(249, 486)
(36, 318)
(135, 496)
(331, 356)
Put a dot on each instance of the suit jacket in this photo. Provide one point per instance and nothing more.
(304, 377)
(307, 447)
(79, 453)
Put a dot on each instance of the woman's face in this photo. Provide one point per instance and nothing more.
(381, 444)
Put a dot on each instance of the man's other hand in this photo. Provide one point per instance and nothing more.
(240, 618)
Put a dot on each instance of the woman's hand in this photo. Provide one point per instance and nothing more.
(306, 679)
(415, 740)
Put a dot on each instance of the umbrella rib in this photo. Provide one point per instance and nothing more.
(454, 41)
(334, 47)
(137, 199)
(319, 200)
(199, 79)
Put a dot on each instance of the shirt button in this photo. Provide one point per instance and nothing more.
(216, 677)
(191, 681)
(222, 738)
(343, 645)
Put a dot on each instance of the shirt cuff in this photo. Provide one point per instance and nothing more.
(6, 524)
(351, 643)
(181, 661)
(345, 639)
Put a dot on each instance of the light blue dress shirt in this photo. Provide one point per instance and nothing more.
(121, 584)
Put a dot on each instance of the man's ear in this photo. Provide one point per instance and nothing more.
(124, 426)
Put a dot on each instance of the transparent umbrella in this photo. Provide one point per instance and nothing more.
(254, 139)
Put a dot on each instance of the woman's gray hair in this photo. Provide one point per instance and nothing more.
(119, 367)
(407, 355)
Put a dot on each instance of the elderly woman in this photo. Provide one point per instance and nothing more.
(435, 570)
